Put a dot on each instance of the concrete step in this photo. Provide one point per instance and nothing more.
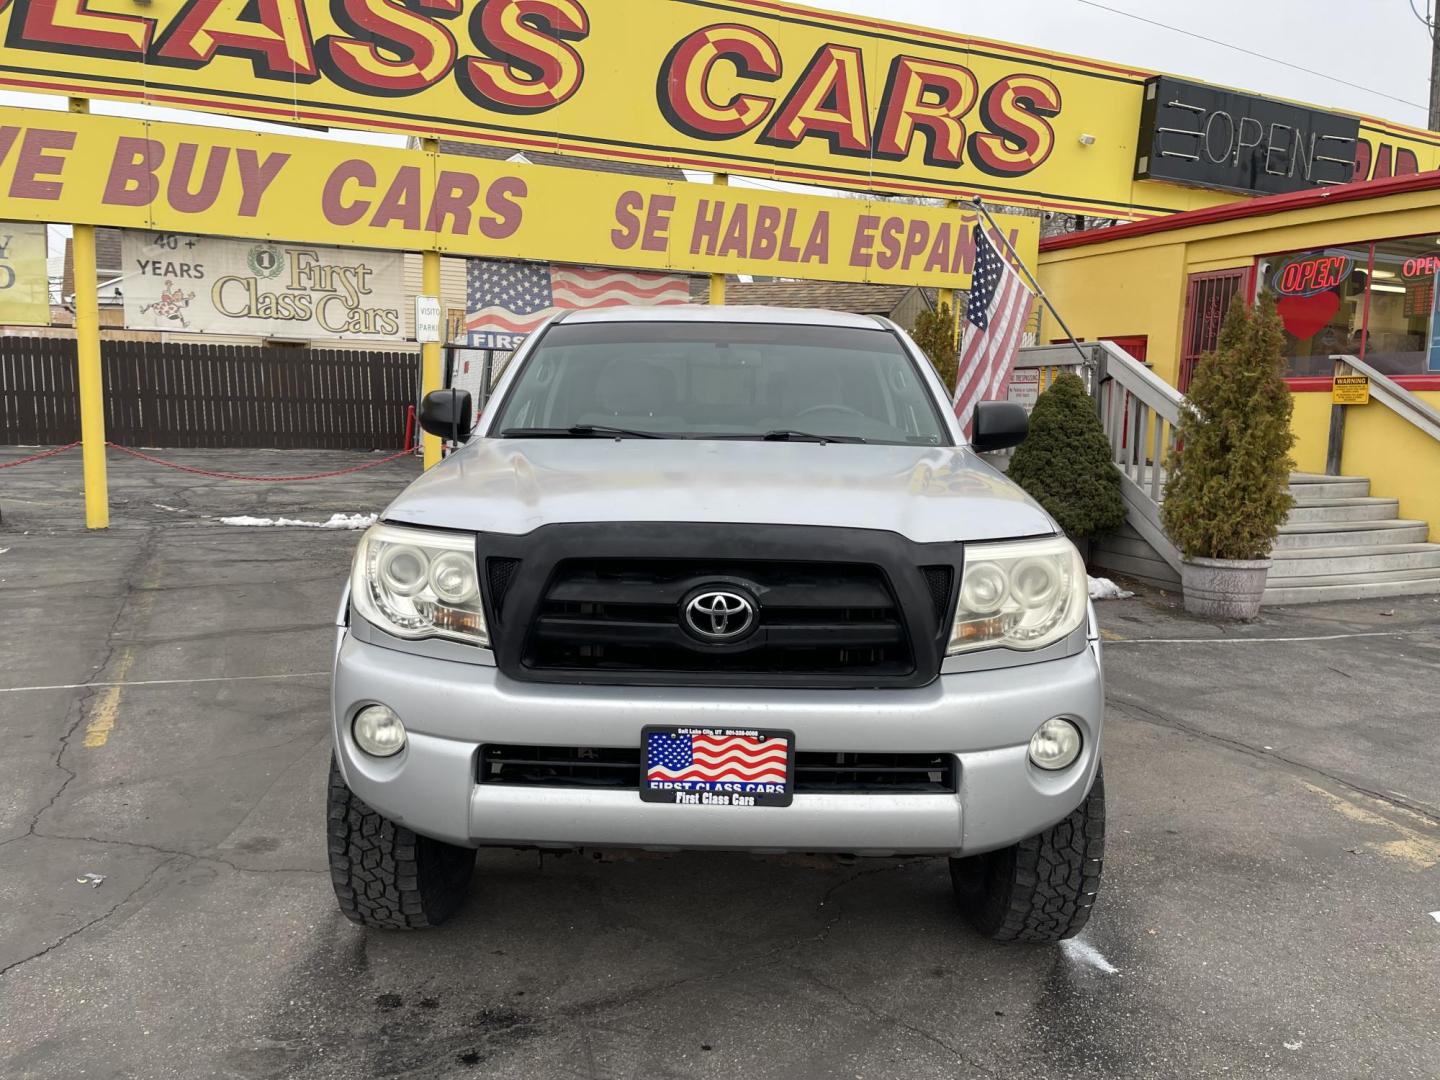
(1378, 577)
(1368, 590)
(1354, 559)
(1352, 509)
(1310, 487)
(1336, 533)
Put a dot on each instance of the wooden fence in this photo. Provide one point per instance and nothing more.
(198, 395)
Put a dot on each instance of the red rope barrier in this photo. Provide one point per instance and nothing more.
(37, 457)
(254, 479)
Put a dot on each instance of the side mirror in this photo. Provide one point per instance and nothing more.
(998, 425)
(447, 414)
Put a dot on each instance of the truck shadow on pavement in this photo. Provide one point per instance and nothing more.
(689, 964)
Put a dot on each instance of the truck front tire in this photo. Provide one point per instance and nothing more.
(1041, 889)
(385, 876)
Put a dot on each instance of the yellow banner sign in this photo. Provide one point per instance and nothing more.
(24, 284)
(761, 87)
(180, 178)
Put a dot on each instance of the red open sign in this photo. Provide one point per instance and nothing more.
(1312, 274)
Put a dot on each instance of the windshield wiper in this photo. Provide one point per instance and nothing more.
(787, 435)
(580, 431)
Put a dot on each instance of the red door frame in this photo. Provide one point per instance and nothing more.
(1191, 349)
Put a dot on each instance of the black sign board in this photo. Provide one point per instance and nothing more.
(1204, 136)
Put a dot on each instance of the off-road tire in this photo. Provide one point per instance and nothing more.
(1041, 889)
(385, 876)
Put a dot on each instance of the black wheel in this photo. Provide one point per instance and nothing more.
(1041, 889)
(384, 875)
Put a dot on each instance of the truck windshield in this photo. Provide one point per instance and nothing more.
(688, 380)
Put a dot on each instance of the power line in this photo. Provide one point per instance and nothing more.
(1249, 52)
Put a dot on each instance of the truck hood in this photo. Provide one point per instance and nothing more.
(927, 494)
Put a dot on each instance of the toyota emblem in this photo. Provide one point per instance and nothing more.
(719, 616)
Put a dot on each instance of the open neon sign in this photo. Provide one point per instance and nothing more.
(1312, 274)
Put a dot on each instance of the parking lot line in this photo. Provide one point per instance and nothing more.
(102, 718)
(1264, 640)
(119, 684)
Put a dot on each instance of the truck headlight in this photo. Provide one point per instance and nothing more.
(419, 583)
(1023, 594)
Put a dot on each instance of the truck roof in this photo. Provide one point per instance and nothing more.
(722, 314)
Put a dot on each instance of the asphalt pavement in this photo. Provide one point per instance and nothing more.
(1270, 906)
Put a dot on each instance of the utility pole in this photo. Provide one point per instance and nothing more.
(1429, 22)
(1434, 77)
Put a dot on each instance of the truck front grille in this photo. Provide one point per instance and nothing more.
(816, 772)
(604, 603)
(624, 615)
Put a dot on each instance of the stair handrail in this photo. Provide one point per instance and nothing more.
(1139, 380)
(1394, 397)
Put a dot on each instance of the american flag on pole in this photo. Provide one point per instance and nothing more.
(995, 317)
(505, 300)
(702, 759)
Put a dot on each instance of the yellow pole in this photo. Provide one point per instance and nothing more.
(717, 281)
(91, 380)
(431, 375)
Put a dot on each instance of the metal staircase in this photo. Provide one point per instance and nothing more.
(1339, 543)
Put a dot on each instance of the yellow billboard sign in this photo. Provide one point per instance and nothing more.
(180, 178)
(24, 284)
(761, 87)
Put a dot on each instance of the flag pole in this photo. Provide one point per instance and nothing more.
(979, 205)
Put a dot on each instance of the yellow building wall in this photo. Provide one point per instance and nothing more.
(1136, 285)
(1138, 291)
(1401, 460)
(1311, 424)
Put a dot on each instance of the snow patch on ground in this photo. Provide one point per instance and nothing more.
(1102, 588)
(1085, 954)
(336, 521)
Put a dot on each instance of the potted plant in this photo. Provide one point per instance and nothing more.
(1228, 490)
(1066, 463)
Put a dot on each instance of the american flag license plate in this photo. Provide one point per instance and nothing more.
(688, 766)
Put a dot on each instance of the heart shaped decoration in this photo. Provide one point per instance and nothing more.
(1304, 316)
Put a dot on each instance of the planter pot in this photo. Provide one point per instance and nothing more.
(1223, 588)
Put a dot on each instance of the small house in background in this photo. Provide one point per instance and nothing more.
(902, 303)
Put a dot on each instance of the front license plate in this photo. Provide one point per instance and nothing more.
(688, 766)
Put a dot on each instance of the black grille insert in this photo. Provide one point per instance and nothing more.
(938, 580)
(499, 573)
(816, 772)
(624, 615)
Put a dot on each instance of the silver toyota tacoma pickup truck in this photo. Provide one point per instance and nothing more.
(727, 579)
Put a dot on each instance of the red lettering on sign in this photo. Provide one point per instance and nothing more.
(35, 161)
(1313, 274)
(928, 97)
(528, 64)
(829, 102)
(683, 88)
(274, 35)
(69, 26)
(1018, 135)
(393, 49)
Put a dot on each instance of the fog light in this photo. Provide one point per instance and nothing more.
(379, 732)
(1056, 744)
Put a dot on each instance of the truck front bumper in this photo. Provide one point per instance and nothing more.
(984, 718)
